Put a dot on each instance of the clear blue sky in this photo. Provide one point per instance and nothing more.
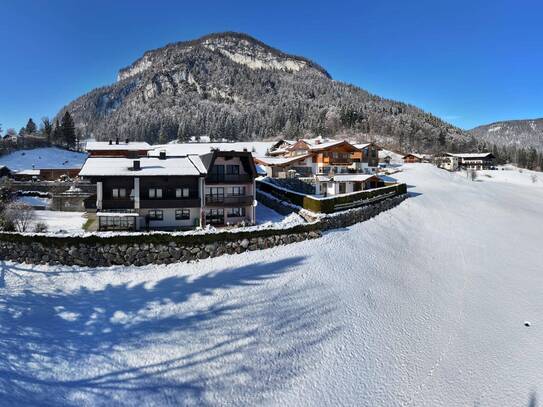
(469, 62)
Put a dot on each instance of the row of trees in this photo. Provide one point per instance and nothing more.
(61, 133)
(528, 158)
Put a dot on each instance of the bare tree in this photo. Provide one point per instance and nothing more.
(20, 214)
(472, 174)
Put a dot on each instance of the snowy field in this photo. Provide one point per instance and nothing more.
(423, 305)
(59, 221)
(46, 157)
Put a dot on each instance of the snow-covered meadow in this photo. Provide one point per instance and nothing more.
(46, 157)
(423, 305)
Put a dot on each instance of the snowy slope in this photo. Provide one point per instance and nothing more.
(423, 305)
(47, 157)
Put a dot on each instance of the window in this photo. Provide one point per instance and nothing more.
(215, 194)
(237, 191)
(232, 169)
(118, 193)
(182, 192)
(182, 214)
(155, 214)
(235, 212)
(342, 187)
(215, 216)
(155, 193)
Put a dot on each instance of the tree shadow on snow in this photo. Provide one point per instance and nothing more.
(100, 347)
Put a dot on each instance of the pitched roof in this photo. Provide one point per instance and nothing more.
(279, 161)
(121, 146)
(149, 166)
(472, 155)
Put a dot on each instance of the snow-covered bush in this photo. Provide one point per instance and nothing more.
(40, 227)
(20, 214)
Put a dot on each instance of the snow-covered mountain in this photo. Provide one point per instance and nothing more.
(519, 133)
(230, 85)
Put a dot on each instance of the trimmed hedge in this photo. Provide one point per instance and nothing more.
(328, 205)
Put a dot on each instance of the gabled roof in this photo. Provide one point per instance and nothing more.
(472, 155)
(419, 156)
(149, 166)
(353, 177)
(246, 157)
(330, 144)
(280, 161)
(121, 146)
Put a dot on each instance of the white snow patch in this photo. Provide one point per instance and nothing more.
(419, 306)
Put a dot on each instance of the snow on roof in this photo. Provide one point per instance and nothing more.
(117, 214)
(28, 172)
(105, 146)
(280, 160)
(181, 149)
(149, 166)
(329, 144)
(471, 155)
(352, 177)
(421, 156)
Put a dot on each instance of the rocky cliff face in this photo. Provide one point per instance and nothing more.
(233, 86)
(518, 133)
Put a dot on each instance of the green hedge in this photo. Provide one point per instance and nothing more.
(154, 238)
(328, 205)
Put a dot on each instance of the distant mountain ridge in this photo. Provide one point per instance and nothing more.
(230, 85)
(518, 133)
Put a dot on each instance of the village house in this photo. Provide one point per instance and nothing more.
(117, 148)
(446, 161)
(475, 161)
(172, 193)
(413, 158)
(331, 166)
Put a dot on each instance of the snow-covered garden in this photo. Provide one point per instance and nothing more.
(425, 304)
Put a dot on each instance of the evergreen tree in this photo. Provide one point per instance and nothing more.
(47, 129)
(56, 136)
(30, 127)
(68, 130)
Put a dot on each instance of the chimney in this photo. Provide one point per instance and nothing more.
(110, 142)
(126, 141)
(162, 155)
(244, 150)
(136, 166)
(117, 140)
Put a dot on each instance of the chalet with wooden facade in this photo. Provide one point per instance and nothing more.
(413, 158)
(323, 163)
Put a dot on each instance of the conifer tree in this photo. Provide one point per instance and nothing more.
(68, 130)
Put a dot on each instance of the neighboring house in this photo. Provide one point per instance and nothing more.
(413, 158)
(446, 161)
(475, 161)
(286, 167)
(370, 154)
(384, 158)
(116, 148)
(319, 162)
(172, 193)
(27, 175)
(346, 183)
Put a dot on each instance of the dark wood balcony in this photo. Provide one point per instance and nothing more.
(228, 179)
(170, 203)
(118, 204)
(229, 200)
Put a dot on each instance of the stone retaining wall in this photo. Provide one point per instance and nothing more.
(163, 248)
